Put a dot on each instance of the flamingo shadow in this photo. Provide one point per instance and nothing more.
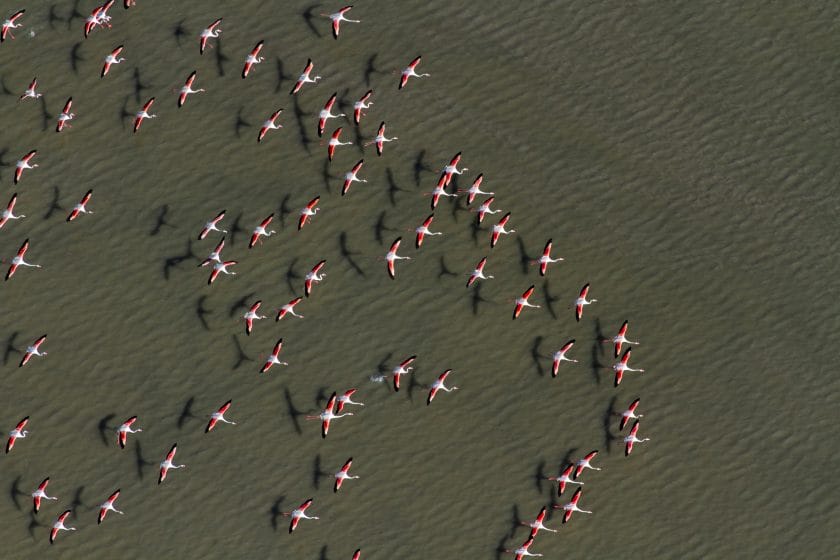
(10, 347)
(241, 356)
(276, 511)
(293, 412)
(347, 254)
(201, 312)
(186, 413)
(139, 461)
(536, 356)
(104, 428)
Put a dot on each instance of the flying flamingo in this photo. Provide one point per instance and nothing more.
(219, 416)
(99, 16)
(546, 259)
(564, 479)
(620, 338)
(475, 189)
(438, 385)
(308, 211)
(30, 91)
(572, 506)
(352, 176)
(260, 230)
(252, 316)
(585, 463)
(313, 277)
(380, 139)
(402, 369)
(391, 257)
(581, 301)
(66, 116)
(219, 268)
(338, 17)
(298, 514)
(23, 163)
(41, 494)
(357, 555)
(335, 142)
(210, 32)
(167, 463)
(59, 526)
(304, 77)
(423, 231)
(478, 273)
(10, 24)
(270, 124)
(346, 399)
(343, 475)
(18, 261)
(8, 213)
(33, 350)
(560, 356)
(621, 366)
(272, 358)
(439, 191)
(112, 58)
(522, 302)
(251, 59)
(18, 432)
(187, 89)
(410, 71)
(523, 551)
(144, 114)
(216, 255)
(81, 207)
(452, 169)
(537, 524)
(289, 309)
(361, 105)
(629, 414)
(125, 429)
(326, 113)
(484, 209)
(108, 505)
(212, 225)
(328, 415)
(499, 229)
(631, 439)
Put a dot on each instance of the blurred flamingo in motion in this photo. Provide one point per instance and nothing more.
(252, 59)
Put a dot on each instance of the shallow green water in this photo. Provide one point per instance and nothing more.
(682, 156)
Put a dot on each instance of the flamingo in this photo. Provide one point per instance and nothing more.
(41, 494)
(99, 17)
(304, 77)
(289, 309)
(499, 229)
(522, 302)
(484, 209)
(297, 514)
(313, 277)
(108, 505)
(66, 116)
(357, 555)
(219, 416)
(380, 139)
(572, 506)
(620, 338)
(478, 273)
(30, 91)
(187, 89)
(210, 32)
(391, 257)
(346, 399)
(11, 23)
(438, 385)
(560, 356)
(343, 475)
(219, 268)
(113, 58)
(144, 114)
(23, 163)
(546, 259)
(326, 113)
(308, 211)
(335, 142)
(423, 231)
(523, 551)
(327, 416)
(352, 176)
(216, 255)
(338, 17)
(410, 71)
(631, 439)
(260, 230)
(581, 301)
(81, 207)
(272, 358)
(59, 525)
(129, 3)
(361, 105)
(586, 463)
(251, 59)
(212, 225)
(629, 414)
(402, 369)
(537, 524)
(251, 315)
(8, 213)
(17, 433)
(18, 261)
(452, 169)
(33, 350)
(270, 124)
(621, 366)
(167, 463)
(439, 191)
(564, 479)
(475, 189)
(125, 429)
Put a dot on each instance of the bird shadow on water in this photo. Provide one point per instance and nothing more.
(125, 113)
(606, 422)
(53, 17)
(371, 69)
(220, 58)
(516, 521)
(241, 303)
(201, 311)
(281, 75)
(595, 364)
(241, 356)
(54, 205)
(75, 57)
(139, 86)
(235, 229)
(293, 412)
(549, 300)
(163, 211)
(393, 188)
(291, 276)
(284, 210)
(103, 427)
(536, 356)
(347, 254)
(317, 472)
(46, 116)
(34, 523)
(240, 123)
(139, 461)
(540, 476)
(477, 299)
(308, 16)
(3, 88)
(303, 135)
(524, 258)
(15, 492)
(74, 14)
(444, 270)
(10, 347)
(77, 502)
(323, 554)
(186, 413)
(326, 176)
(179, 32)
(176, 260)
(379, 228)
(276, 511)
